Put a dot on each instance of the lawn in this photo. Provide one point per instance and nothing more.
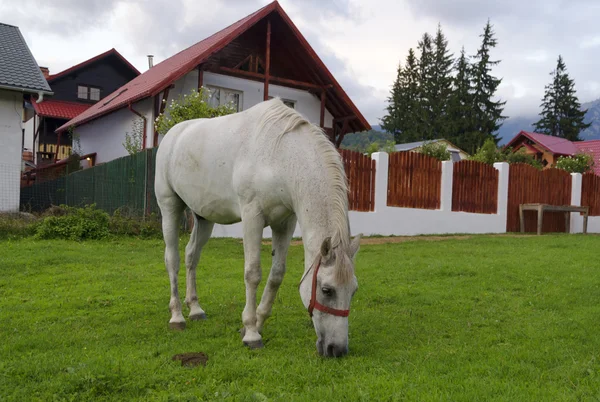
(477, 318)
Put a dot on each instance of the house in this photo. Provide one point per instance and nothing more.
(456, 153)
(547, 149)
(260, 56)
(20, 76)
(75, 90)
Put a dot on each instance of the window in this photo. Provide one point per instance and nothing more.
(87, 92)
(222, 96)
(287, 102)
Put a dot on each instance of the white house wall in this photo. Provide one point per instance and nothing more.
(11, 124)
(105, 136)
(252, 94)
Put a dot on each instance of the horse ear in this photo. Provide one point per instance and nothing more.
(326, 248)
(355, 245)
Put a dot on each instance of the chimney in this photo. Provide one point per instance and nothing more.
(150, 61)
(45, 71)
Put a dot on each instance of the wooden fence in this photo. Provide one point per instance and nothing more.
(590, 193)
(527, 184)
(414, 181)
(360, 170)
(474, 187)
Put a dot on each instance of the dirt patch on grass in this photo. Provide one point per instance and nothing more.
(192, 359)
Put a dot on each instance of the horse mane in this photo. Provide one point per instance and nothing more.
(285, 119)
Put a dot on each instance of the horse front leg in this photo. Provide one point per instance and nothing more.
(253, 225)
(282, 236)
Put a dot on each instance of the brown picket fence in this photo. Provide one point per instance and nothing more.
(474, 187)
(590, 193)
(360, 170)
(529, 185)
(414, 181)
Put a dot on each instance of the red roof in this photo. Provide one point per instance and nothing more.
(556, 145)
(592, 148)
(59, 109)
(110, 52)
(163, 74)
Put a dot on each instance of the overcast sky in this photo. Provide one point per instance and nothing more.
(360, 41)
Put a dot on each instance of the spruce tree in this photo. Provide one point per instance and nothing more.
(460, 106)
(561, 114)
(441, 85)
(487, 113)
(403, 105)
(425, 112)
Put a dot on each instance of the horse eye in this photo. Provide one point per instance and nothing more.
(327, 292)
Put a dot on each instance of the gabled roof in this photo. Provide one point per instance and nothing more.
(163, 74)
(18, 69)
(59, 109)
(111, 52)
(556, 145)
(592, 148)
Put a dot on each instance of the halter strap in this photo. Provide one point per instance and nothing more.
(314, 304)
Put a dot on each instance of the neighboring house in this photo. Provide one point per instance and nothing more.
(547, 149)
(19, 75)
(456, 153)
(261, 56)
(75, 90)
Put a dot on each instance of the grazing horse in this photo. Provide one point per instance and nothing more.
(266, 166)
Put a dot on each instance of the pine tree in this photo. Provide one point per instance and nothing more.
(403, 105)
(441, 85)
(425, 112)
(460, 106)
(561, 114)
(487, 113)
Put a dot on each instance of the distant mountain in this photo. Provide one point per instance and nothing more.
(592, 115)
(360, 141)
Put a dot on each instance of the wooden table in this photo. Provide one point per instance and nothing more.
(541, 208)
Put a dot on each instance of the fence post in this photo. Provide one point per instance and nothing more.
(576, 189)
(446, 187)
(382, 160)
(503, 170)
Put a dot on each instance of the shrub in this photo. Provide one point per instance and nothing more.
(16, 225)
(74, 224)
(436, 150)
(192, 106)
(489, 153)
(579, 163)
(124, 222)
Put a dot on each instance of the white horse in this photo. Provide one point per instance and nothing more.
(266, 166)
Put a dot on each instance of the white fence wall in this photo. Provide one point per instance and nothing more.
(394, 221)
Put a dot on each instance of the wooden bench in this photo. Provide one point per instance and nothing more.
(541, 208)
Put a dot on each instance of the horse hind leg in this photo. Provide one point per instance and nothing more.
(200, 235)
(172, 211)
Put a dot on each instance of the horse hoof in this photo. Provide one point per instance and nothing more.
(198, 317)
(255, 344)
(177, 326)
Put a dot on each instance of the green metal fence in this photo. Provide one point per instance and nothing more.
(126, 182)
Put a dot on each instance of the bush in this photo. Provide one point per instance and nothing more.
(192, 106)
(436, 150)
(74, 224)
(489, 153)
(579, 163)
(16, 225)
(126, 223)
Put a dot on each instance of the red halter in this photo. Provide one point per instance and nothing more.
(314, 304)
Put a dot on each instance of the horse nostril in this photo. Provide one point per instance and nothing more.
(330, 348)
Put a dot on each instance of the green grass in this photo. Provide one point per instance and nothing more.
(486, 318)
